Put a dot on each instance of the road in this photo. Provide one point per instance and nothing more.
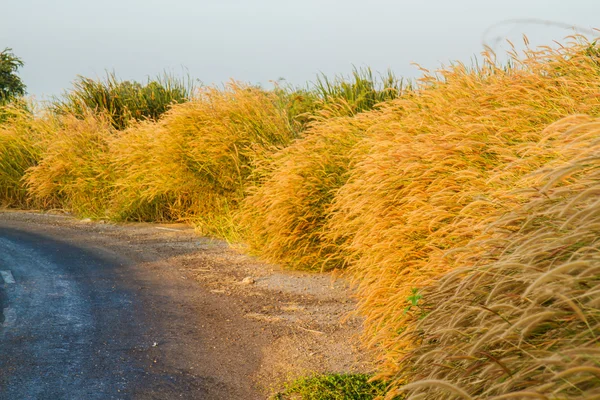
(86, 322)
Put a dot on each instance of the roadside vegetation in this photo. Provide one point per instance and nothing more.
(333, 387)
(123, 102)
(464, 206)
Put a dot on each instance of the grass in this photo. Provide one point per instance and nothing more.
(390, 192)
(522, 316)
(473, 182)
(284, 215)
(21, 135)
(74, 171)
(333, 387)
(202, 155)
(433, 174)
(360, 92)
(123, 101)
(285, 212)
(339, 96)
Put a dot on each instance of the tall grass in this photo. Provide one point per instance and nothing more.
(427, 178)
(522, 318)
(339, 96)
(198, 159)
(74, 171)
(360, 92)
(123, 101)
(20, 149)
(284, 215)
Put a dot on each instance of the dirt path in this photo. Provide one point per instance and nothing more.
(243, 326)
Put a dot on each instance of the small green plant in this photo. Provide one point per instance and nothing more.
(300, 104)
(333, 387)
(413, 299)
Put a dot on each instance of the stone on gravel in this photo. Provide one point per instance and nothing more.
(248, 281)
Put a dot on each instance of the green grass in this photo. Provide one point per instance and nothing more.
(123, 101)
(361, 91)
(340, 95)
(333, 387)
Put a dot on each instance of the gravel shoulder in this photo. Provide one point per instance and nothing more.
(237, 322)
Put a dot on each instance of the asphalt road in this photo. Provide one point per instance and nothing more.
(82, 324)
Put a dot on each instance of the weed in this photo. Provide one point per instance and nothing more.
(333, 387)
(413, 299)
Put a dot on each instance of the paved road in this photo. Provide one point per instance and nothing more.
(75, 325)
(64, 319)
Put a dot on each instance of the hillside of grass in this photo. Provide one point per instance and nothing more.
(462, 207)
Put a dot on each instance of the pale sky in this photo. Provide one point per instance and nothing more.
(262, 40)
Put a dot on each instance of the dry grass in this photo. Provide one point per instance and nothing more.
(439, 167)
(391, 192)
(284, 215)
(20, 148)
(74, 171)
(397, 194)
(195, 163)
(522, 320)
(283, 218)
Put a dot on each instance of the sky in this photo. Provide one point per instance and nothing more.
(260, 41)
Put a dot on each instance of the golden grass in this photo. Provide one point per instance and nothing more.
(284, 215)
(74, 171)
(396, 194)
(195, 162)
(392, 192)
(522, 318)
(19, 150)
(439, 167)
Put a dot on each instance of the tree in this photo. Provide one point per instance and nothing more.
(11, 85)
